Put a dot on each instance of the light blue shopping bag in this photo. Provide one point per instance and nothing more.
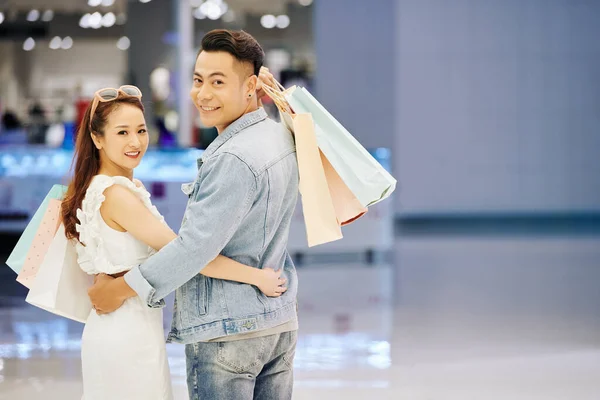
(17, 257)
(359, 170)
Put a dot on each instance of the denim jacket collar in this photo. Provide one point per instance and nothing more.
(235, 127)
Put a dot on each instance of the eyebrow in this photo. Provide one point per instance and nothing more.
(217, 73)
(127, 126)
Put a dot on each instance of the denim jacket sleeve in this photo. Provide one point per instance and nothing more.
(224, 197)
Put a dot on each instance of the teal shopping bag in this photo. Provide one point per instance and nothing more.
(361, 172)
(17, 257)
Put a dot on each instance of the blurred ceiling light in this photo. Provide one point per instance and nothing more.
(214, 14)
(268, 21)
(33, 15)
(48, 15)
(84, 22)
(204, 7)
(108, 3)
(144, 1)
(1, 17)
(121, 19)
(28, 44)
(55, 43)
(223, 7)
(94, 3)
(198, 14)
(123, 43)
(229, 16)
(67, 43)
(305, 3)
(109, 20)
(211, 10)
(283, 21)
(96, 20)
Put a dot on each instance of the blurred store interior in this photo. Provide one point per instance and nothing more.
(478, 279)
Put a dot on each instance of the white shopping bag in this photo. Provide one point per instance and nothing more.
(60, 286)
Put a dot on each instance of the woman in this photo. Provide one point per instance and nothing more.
(116, 227)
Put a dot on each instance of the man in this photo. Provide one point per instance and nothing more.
(240, 344)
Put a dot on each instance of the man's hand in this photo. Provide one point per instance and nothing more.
(264, 77)
(271, 283)
(108, 294)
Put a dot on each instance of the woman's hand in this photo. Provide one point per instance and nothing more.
(271, 283)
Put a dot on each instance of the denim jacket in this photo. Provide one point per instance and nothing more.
(240, 206)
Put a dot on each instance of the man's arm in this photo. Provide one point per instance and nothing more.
(227, 191)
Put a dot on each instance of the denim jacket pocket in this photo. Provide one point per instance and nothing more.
(192, 299)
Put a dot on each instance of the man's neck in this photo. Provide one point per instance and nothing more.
(221, 129)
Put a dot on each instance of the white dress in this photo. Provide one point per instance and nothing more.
(123, 354)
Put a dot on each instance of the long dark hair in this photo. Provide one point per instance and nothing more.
(86, 160)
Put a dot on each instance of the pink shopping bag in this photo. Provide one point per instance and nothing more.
(41, 243)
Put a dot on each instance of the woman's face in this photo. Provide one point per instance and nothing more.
(125, 139)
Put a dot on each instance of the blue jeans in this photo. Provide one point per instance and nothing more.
(258, 368)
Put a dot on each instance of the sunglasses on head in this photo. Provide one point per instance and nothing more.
(110, 94)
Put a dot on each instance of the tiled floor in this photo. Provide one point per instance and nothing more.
(451, 318)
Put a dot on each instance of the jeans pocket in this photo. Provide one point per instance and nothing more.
(290, 351)
(243, 356)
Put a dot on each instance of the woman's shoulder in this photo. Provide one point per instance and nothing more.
(103, 182)
(117, 189)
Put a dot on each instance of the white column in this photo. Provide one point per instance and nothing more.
(185, 61)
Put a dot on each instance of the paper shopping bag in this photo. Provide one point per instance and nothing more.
(364, 176)
(41, 242)
(320, 185)
(60, 286)
(322, 225)
(347, 207)
(19, 254)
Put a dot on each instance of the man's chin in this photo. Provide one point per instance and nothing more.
(208, 123)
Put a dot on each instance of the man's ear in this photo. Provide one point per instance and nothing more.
(252, 85)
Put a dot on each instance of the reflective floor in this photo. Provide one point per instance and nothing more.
(450, 318)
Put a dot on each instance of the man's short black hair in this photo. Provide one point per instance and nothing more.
(239, 44)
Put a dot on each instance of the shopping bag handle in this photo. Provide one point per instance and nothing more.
(277, 94)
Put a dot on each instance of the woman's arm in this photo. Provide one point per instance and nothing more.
(124, 209)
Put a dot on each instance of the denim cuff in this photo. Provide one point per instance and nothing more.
(142, 287)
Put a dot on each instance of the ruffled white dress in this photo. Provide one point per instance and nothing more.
(123, 354)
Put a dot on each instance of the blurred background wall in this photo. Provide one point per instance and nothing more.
(485, 106)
